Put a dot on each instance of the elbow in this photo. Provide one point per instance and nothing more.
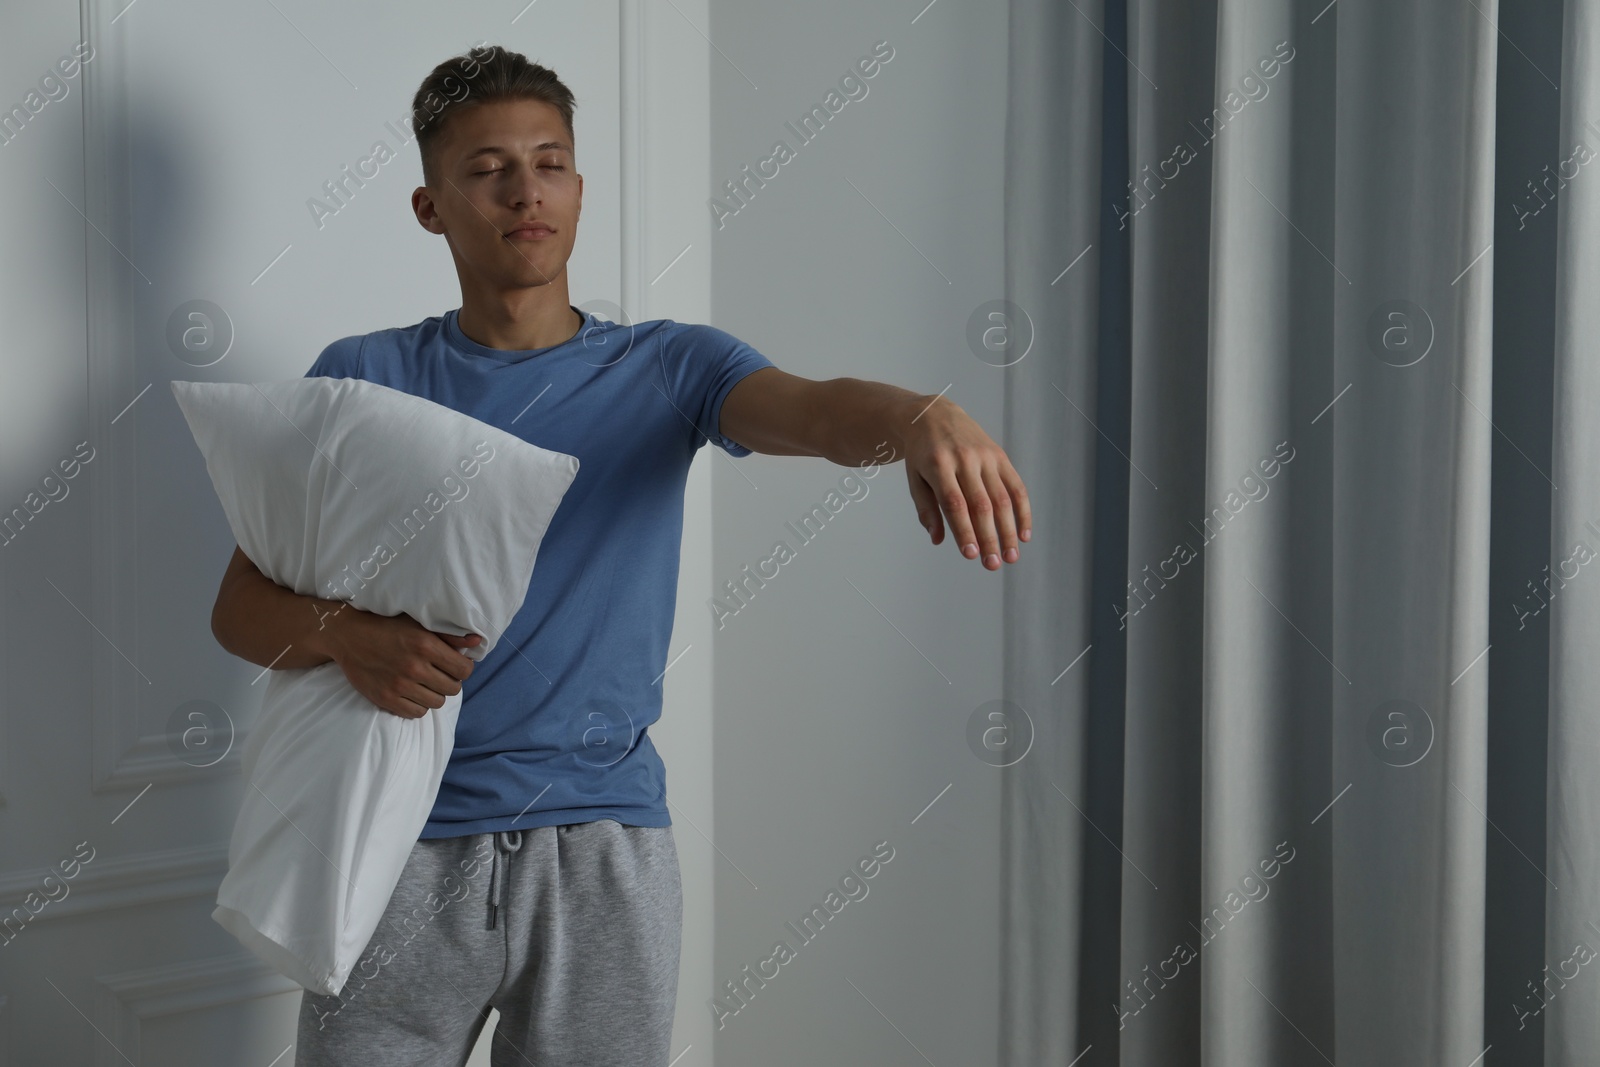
(219, 623)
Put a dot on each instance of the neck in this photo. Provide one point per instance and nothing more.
(500, 324)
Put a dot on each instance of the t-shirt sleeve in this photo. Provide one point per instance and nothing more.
(341, 359)
(702, 364)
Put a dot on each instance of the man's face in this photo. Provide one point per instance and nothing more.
(502, 165)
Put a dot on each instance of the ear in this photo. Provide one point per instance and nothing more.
(423, 207)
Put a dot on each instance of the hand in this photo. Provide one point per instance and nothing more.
(952, 464)
(397, 663)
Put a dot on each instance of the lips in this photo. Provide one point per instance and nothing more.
(530, 231)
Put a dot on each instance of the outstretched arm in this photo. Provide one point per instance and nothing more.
(957, 473)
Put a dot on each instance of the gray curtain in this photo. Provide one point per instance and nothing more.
(1305, 391)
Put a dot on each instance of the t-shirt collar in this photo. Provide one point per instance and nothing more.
(466, 344)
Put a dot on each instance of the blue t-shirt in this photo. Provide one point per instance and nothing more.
(553, 724)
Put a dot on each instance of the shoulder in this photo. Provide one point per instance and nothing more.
(341, 359)
(346, 350)
(698, 345)
(696, 336)
(350, 357)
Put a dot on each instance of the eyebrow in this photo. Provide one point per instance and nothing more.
(547, 146)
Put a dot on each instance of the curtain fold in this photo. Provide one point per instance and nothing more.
(1293, 807)
(1052, 197)
(1572, 1021)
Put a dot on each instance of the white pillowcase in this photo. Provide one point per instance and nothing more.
(349, 490)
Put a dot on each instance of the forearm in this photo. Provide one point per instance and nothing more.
(259, 620)
(856, 417)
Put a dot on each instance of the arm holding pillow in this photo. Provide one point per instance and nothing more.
(309, 473)
(393, 661)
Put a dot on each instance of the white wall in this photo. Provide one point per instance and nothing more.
(192, 188)
(862, 258)
(830, 732)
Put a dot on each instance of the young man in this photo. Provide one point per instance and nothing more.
(546, 881)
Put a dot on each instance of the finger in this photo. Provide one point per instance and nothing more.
(1019, 500)
(396, 714)
(446, 675)
(425, 695)
(440, 675)
(926, 504)
(406, 709)
(455, 662)
(952, 498)
(980, 515)
(1004, 518)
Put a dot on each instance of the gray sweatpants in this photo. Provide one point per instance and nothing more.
(570, 932)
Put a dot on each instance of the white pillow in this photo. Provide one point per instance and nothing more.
(352, 491)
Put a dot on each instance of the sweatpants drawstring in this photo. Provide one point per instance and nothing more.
(505, 843)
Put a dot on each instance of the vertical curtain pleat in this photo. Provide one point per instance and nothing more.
(1268, 518)
(1052, 195)
(1527, 136)
(1413, 222)
(1167, 207)
(1571, 986)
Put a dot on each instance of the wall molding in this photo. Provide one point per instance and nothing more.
(126, 999)
(102, 884)
(124, 755)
